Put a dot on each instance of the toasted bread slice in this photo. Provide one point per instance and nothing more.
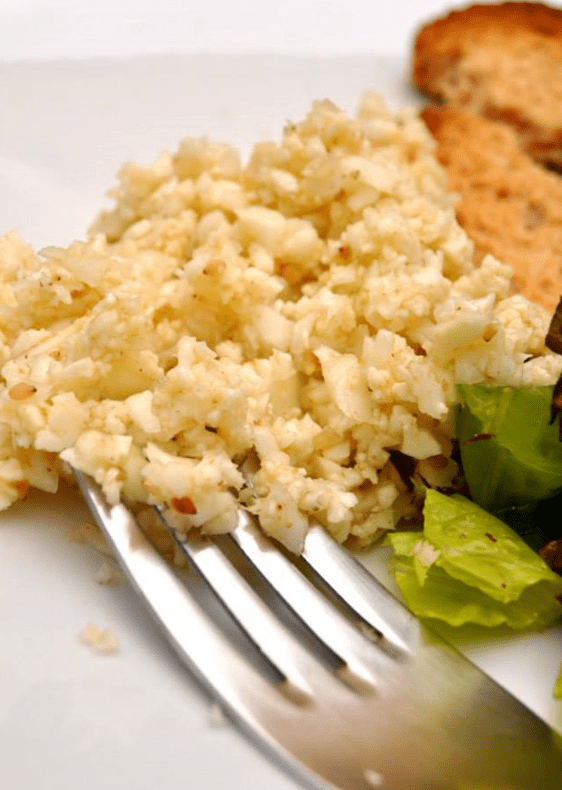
(501, 61)
(509, 205)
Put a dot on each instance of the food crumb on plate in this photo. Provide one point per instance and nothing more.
(87, 533)
(106, 574)
(103, 641)
(217, 717)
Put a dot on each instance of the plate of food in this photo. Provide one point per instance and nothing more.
(279, 269)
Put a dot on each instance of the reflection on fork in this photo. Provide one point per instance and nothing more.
(325, 670)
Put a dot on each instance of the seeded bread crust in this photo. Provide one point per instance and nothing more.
(509, 205)
(500, 61)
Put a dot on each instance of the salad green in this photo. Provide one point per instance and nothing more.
(468, 565)
(483, 559)
(510, 450)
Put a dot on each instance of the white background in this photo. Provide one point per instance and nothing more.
(72, 28)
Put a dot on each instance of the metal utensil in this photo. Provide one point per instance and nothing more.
(326, 671)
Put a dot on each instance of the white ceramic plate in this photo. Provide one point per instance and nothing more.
(70, 718)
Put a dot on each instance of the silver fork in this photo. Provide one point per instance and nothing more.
(326, 671)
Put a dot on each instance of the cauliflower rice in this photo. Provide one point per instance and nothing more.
(312, 307)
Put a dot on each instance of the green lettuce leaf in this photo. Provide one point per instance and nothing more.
(469, 567)
(511, 454)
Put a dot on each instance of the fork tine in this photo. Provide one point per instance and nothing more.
(347, 579)
(254, 705)
(184, 622)
(308, 604)
(360, 591)
(272, 638)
